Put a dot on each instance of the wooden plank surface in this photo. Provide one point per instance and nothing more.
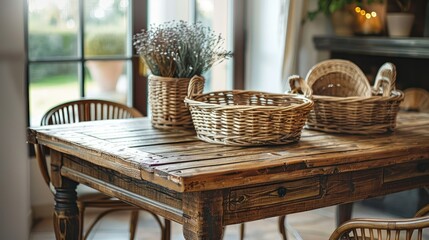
(179, 161)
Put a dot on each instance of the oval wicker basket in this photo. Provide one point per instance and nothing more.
(166, 97)
(248, 118)
(354, 112)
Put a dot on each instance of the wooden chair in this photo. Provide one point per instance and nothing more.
(92, 110)
(384, 229)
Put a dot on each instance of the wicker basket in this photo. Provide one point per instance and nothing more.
(349, 105)
(166, 97)
(248, 118)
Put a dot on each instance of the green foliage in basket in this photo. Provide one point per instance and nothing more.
(179, 49)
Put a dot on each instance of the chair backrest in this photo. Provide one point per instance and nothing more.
(88, 110)
(384, 229)
(80, 111)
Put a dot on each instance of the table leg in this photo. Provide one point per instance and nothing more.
(203, 215)
(66, 215)
(344, 213)
(66, 220)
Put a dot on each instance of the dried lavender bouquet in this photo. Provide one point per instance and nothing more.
(179, 49)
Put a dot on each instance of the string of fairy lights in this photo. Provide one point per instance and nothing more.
(362, 12)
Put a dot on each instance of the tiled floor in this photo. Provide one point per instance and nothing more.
(312, 225)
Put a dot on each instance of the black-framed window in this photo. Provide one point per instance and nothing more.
(76, 49)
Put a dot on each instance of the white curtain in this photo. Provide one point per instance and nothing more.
(293, 28)
(265, 37)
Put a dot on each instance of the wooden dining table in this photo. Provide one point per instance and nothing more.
(206, 187)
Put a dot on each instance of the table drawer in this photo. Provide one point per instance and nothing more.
(405, 171)
(273, 194)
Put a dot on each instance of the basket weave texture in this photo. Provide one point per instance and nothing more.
(248, 118)
(166, 97)
(344, 102)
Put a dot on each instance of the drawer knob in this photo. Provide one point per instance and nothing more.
(281, 191)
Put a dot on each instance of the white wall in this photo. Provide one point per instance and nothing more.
(308, 55)
(14, 164)
(42, 200)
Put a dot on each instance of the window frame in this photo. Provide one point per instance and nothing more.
(139, 80)
(80, 59)
(239, 43)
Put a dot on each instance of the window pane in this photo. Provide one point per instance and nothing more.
(51, 84)
(52, 28)
(205, 12)
(107, 80)
(106, 28)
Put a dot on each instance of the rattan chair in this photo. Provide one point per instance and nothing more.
(384, 229)
(92, 110)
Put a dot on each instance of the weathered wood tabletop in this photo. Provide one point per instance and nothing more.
(206, 186)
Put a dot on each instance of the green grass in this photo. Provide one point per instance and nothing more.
(51, 91)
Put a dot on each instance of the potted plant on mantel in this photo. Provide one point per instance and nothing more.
(175, 52)
(343, 13)
(399, 24)
(105, 73)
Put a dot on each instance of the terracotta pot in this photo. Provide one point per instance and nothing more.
(105, 73)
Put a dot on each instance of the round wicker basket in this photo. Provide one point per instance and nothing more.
(342, 110)
(247, 118)
(166, 97)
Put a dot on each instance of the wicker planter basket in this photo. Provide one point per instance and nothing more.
(166, 97)
(247, 118)
(344, 102)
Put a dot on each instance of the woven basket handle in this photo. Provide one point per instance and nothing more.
(298, 85)
(385, 80)
(196, 86)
